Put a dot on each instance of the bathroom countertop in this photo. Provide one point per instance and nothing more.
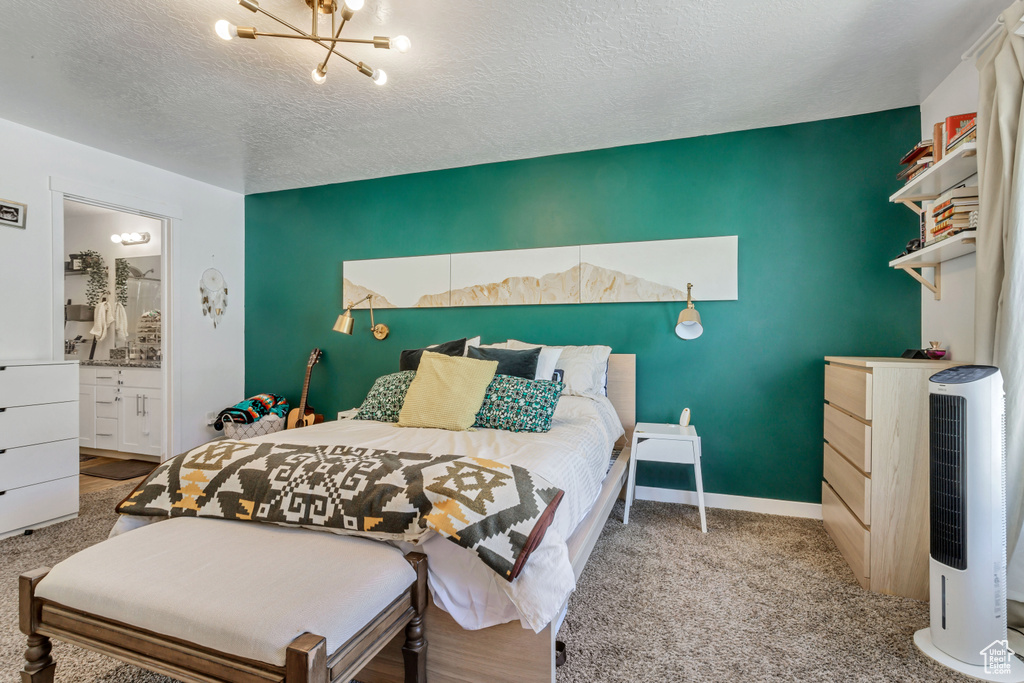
(122, 363)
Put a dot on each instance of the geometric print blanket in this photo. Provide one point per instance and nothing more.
(499, 511)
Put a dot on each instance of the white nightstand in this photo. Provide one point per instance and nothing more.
(666, 443)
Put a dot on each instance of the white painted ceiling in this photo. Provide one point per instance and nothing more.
(485, 81)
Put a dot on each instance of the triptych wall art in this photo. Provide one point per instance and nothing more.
(585, 274)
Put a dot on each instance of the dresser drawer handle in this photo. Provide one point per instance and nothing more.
(98, 434)
(105, 402)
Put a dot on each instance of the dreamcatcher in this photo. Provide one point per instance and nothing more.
(215, 294)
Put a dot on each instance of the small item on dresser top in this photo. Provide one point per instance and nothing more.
(684, 418)
(915, 354)
(934, 351)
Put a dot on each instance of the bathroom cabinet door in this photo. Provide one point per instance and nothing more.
(140, 421)
(86, 416)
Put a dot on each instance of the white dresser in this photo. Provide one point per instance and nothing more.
(38, 444)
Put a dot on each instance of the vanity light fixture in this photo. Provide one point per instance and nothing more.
(129, 238)
(689, 326)
(329, 41)
(345, 322)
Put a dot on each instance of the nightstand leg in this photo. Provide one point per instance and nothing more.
(700, 491)
(630, 483)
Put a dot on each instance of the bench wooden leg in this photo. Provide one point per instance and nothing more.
(39, 665)
(414, 652)
(306, 660)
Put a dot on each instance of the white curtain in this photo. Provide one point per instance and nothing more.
(999, 298)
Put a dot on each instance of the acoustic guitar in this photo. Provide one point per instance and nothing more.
(304, 415)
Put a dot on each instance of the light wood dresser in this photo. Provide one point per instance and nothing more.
(38, 444)
(874, 497)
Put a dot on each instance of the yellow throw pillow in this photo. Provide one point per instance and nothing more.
(447, 392)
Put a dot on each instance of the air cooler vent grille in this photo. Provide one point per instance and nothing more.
(948, 447)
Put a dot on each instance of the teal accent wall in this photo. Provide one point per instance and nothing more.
(816, 231)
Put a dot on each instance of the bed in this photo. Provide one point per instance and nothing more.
(480, 627)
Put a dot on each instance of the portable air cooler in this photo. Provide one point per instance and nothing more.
(968, 525)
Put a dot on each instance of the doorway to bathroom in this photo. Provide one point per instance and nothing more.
(114, 316)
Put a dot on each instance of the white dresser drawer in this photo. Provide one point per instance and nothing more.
(106, 405)
(664, 450)
(35, 505)
(106, 433)
(28, 425)
(146, 378)
(22, 385)
(35, 464)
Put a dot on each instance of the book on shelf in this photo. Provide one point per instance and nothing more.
(956, 125)
(938, 140)
(970, 136)
(920, 149)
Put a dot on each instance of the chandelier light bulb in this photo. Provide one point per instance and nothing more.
(379, 77)
(354, 5)
(401, 43)
(319, 76)
(116, 239)
(226, 29)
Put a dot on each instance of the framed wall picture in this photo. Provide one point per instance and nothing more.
(12, 214)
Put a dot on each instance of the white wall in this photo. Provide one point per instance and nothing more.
(951, 319)
(208, 364)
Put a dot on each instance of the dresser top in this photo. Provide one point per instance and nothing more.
(877, 362)
(13, 363)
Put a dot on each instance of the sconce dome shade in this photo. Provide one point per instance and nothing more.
(344, 323)
(689, 325)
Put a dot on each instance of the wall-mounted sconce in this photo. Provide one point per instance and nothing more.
(346, 322)
(129, 238)
(689, 326)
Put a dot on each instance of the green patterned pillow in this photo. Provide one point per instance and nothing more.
(385, 400)
(519, 405)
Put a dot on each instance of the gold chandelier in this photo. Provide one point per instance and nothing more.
(346, 8)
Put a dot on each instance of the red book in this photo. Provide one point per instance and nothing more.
(955, 123)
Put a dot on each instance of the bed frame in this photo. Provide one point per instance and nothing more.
(508, 653)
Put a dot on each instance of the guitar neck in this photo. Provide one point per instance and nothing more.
(305, 391)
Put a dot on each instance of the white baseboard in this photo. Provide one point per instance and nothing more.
(768, 506)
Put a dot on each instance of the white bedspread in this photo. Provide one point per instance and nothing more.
(573, 456)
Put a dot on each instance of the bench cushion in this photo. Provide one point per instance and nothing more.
(242, 588)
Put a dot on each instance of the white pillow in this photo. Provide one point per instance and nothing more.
(585, 367)
(499, 345)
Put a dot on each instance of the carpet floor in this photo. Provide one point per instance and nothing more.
(759, 598)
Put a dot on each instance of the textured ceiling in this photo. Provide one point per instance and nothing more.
(485, 81)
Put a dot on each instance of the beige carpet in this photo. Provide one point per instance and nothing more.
(758, 598)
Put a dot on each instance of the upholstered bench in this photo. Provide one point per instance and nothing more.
(213, 600)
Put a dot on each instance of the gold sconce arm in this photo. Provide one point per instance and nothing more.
(346, 322)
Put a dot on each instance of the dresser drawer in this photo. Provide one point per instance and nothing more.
(849, 436)
(23, 385)
(35, 464)
(106, 405)
(850, 536)
(852, 486)
(28, 425)
(665, 450)
(31, 505)
(848, 388)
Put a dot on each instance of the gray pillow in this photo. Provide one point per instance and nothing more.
(410, 358)
(514, 363)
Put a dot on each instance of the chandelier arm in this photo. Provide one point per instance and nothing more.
(337, 33)
(302, 34)
(316, 39)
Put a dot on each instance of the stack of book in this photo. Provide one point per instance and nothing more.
(916, 160)
(960, 130)
(954, 211)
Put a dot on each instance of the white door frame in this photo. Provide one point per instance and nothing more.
(170, 217)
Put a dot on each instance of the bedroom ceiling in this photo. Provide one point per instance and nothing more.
(484, 81)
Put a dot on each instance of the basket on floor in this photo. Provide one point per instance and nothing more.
(265, 425)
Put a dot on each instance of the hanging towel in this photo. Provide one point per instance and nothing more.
(120, 322)
(103, 317)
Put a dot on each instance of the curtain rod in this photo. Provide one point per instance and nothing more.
(981, 43)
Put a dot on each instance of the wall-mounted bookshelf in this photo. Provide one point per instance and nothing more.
(950, 171)
(933, 255)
